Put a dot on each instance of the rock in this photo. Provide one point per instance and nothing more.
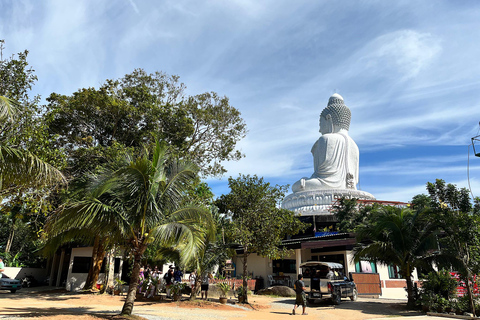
(282, 291)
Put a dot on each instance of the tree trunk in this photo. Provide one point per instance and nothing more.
(245, 274)
(88, 281)
(110, 283)
(97, 264)
(470, 295)
(92, 276)
(132, 289)
(8, 247)
(410, 293)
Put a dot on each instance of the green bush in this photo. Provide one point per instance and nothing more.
(441, 284)
(438, 292)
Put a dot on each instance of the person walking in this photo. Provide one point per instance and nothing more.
(300, 298)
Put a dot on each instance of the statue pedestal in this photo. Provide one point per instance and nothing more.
(319, 202)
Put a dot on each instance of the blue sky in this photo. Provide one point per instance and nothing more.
(408, 70)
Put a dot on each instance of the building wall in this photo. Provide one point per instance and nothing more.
(39, 274)
(260, 266)
(76, 281)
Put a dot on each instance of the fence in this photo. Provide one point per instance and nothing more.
(235, 283)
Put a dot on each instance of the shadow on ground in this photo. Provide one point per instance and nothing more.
(366, 306)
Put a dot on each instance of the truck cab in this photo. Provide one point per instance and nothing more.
(326, 280)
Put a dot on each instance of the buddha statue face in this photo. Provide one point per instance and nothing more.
(326, 124)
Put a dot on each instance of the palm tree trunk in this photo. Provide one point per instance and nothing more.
(132, 288)
(410, 294)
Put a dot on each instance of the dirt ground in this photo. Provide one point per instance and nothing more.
(62, 305)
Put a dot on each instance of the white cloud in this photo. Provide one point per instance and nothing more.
(404, 52)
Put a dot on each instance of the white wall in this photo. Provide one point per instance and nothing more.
(39, 274)
(76, 281)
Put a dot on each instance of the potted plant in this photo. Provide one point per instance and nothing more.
(241, 294)
(117, 288)
(224, 288)
(177, 289)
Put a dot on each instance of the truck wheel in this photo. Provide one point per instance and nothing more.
(354, 295)
(13, 290)
(337, 299)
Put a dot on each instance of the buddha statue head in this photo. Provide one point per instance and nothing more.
(336, 116)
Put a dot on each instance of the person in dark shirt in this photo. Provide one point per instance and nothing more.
(300, 298)
(168, 277)
(177, 275)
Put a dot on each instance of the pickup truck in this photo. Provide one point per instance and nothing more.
(322, 285)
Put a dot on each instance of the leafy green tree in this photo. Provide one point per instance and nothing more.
(350, 214)
(258, 224)
(459, 221)
(137, 109)
(143, 199)
(398, 236)
(26, 162)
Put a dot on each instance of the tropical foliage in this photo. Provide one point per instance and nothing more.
(143, 199)
(401, 237)
(258, 224)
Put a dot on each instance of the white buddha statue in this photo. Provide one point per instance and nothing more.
(335, 154)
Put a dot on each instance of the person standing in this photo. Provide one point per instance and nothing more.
(2, 267)
(300, 298)
(204, 286)
(168, 280)
(192, 279)
(330, 274)
(177, 275)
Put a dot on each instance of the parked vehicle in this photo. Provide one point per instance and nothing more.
(324, 285)
(10, 284)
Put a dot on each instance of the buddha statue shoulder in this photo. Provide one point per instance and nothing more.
(335, 154)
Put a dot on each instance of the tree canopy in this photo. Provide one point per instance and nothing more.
(139, 108)
(258, 224)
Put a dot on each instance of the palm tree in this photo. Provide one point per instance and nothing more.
(400, 237)
(21, 167)
(144, 200)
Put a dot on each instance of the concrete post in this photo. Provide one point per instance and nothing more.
(52, 271)
(298, 258)
(60, 268)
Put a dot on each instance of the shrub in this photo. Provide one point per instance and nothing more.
(440, 283)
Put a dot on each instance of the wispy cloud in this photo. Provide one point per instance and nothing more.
(410, 79)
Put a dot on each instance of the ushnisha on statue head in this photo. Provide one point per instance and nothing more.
(336, 116)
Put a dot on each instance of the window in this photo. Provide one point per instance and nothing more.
(285, 266)
(116, 268)
(394, 272)
(366, 267)
(81, 264)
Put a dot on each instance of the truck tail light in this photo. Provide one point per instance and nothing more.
(330, 288)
